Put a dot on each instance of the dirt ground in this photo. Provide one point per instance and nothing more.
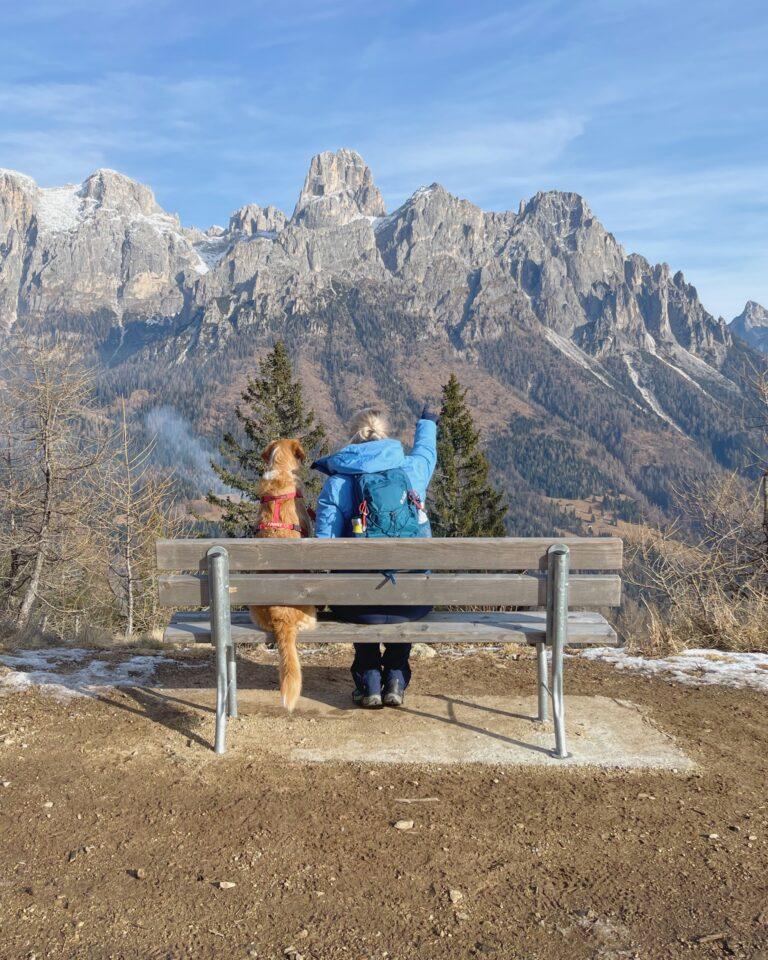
(119, 825)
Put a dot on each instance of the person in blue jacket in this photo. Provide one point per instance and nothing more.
(380, 680)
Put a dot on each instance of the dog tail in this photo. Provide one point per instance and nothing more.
(286, 628)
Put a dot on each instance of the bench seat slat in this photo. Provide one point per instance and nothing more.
(584, 629)
(372, 588)
(500, 553)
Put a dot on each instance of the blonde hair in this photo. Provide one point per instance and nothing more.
(370, 423)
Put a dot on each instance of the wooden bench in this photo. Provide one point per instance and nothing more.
(554, 574)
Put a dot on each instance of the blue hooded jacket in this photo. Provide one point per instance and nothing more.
(336, 506)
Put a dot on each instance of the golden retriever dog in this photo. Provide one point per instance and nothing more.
(284, 515)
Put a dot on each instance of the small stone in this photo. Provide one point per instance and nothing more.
(462, 916)
(403, 825)
(423, 651)
(713, 836)
(751, 837)
(224, 884)
(455, 896)
(139, 874)
(5, 783)
(48, 804)
(302, 934)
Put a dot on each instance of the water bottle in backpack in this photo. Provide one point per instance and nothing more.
(386, 505)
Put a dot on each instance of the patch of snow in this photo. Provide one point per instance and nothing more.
(163, 223)
(42, 668)
(210, 251)
(573, 352)
(679, 371)
(646, 394)
(698, 366)
(693, 666)
(59, 209)
(378, 223)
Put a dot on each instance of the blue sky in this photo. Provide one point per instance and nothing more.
(657, 112)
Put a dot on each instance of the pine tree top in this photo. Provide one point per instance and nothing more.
(464, 503)
(271, 407)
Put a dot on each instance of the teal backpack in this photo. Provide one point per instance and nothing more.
(387, 506)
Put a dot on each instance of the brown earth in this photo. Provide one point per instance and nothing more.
(543, 863)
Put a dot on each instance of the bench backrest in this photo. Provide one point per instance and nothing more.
(504, 571)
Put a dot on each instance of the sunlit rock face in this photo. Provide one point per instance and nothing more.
(752, 325)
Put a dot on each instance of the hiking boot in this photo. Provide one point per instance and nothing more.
(369, 696)
(394, 692)
(370, 701)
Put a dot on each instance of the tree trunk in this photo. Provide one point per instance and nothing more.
(129, 587)
(33, 586)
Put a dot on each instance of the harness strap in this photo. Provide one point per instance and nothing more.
(275, 523)
(278, 525)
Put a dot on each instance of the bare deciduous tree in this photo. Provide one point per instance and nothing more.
(53, 444)
(137, 513)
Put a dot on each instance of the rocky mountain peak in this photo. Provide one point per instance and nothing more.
(752, 325)
(108, 188)
(560, 208)
(253, 220)
(338, 188)
(753, 315)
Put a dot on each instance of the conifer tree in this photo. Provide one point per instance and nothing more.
(272, 407)
(463, 501)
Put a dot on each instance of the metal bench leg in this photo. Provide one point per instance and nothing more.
(557, 590)
(231, 680)
(218, 588)
(541, 679)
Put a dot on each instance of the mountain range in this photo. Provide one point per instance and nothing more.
(590, 370)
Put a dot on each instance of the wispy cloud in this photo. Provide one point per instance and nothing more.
(473, 160)
(57, 131)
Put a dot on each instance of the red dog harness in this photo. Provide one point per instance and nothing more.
(276, 523)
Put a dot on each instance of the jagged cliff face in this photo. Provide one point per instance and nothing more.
(104, 247)
(752, 325)
(380, 304)
(107, 246)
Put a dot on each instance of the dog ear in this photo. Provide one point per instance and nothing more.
(298, 451)
(266, 454)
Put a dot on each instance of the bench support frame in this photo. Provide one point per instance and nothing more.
(547, 686)
(557, 636)
(221, 629)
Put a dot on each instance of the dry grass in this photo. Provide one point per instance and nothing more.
(90, 637)
(708, 593)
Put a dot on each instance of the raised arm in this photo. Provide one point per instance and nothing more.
(424, 449)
